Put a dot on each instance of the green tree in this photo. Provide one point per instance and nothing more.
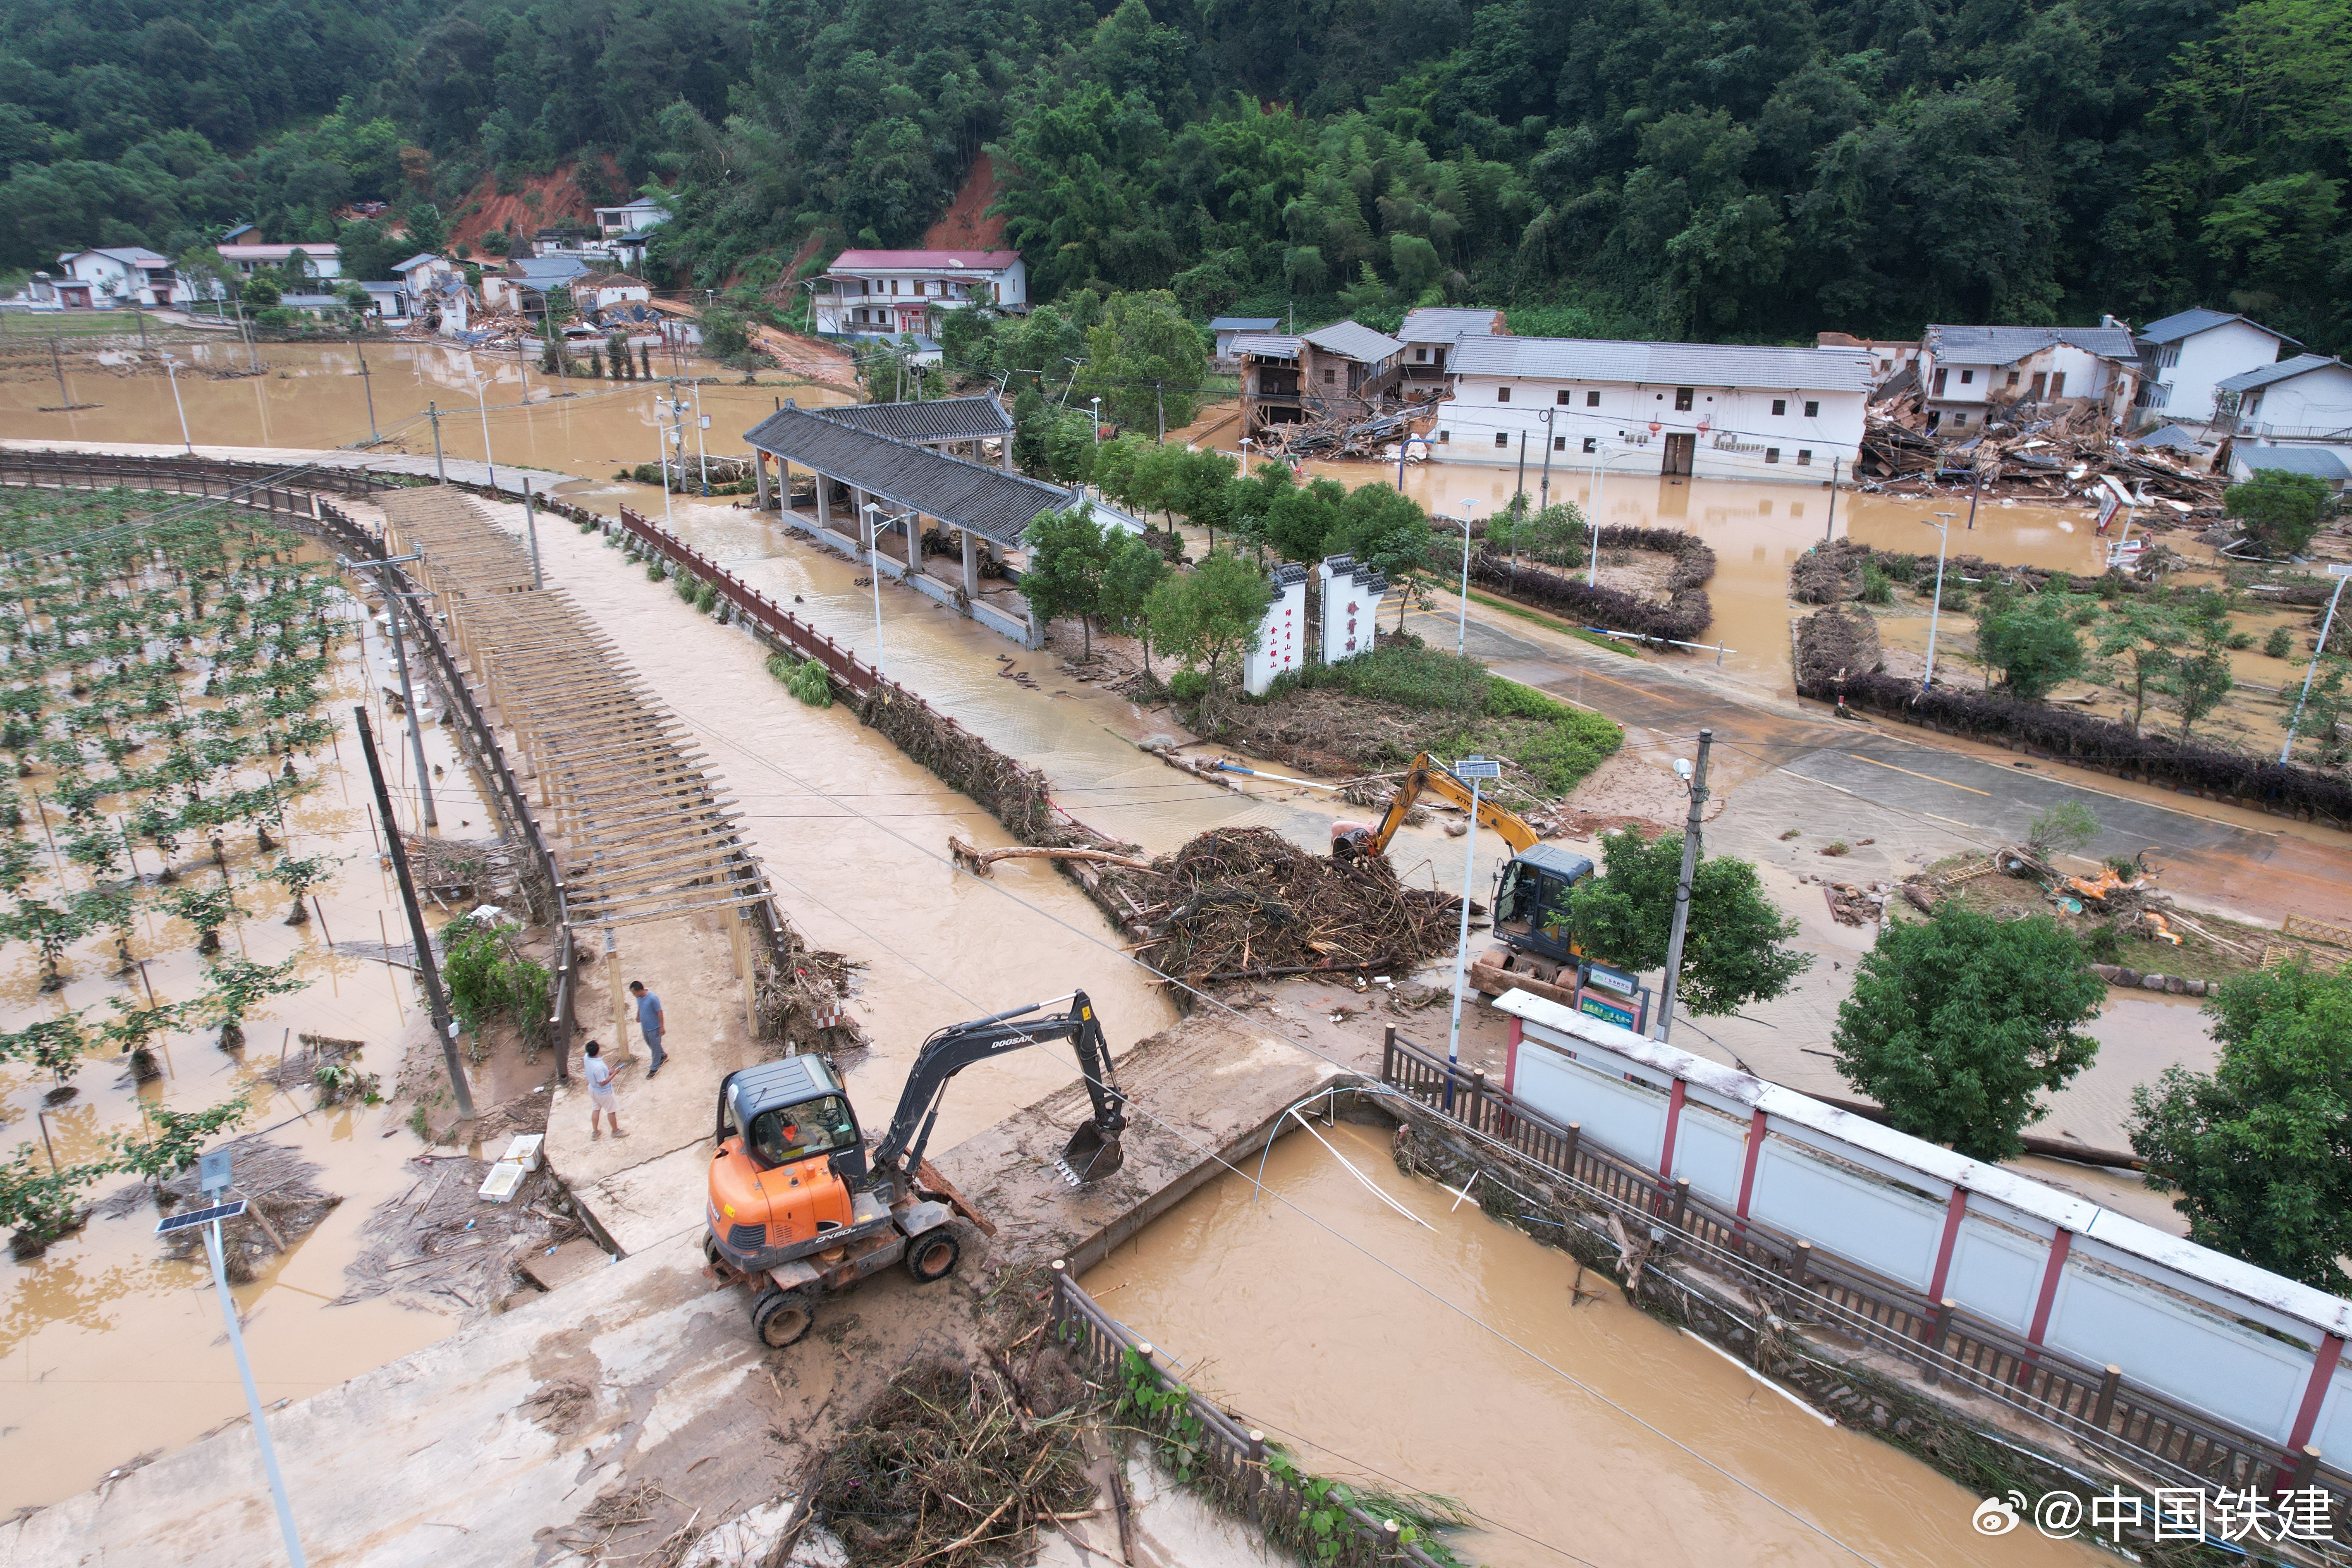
(1735, 950)
(207, 910)
(2260, 1149)
(53, 1045)
(2031, 644)
(1067, 554)
(1130, 571)
(2279, 510)
(726, 336)
(297, 874)
(2139, 635)
(426, 233)
(1211, 614)
(2326, 715)
(173, 1139)
(50, 929)
(1143, 359)
(259, 292)
(1955, 1023)
(40, 1202)
(239, 985)
(2200, 674)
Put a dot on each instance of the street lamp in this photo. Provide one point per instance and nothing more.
(1600, 483)
(1472, 771)
(2327, 623)
(171, 371)
(1935, 615)
(1097, 403)
(1246, 446)
(482, 401)
(876, 521)
(1461, 617)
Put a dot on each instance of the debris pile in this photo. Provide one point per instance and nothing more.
(1835, 642)
(1329, 435)
(2029, 452)
(282, 1206)
(1247, 902)
(949, 1468)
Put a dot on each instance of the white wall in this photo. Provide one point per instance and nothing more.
(2230, 348)
(1744, 439)
(2314, 405)
(2126, 1295)
(2087, 375)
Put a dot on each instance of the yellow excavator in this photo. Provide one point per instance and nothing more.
(1530, 902)
(797, 1210)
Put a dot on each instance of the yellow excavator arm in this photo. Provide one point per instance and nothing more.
(1429, 775)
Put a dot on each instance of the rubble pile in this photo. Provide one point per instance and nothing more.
(2029, 452)
(1838, 641)
(1331, 435)
(1247, 902)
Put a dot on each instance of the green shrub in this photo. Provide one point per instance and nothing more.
(2241, 641)
(706, 597)
(1188, 684)
(685, 586)
(1562, 752)
(805, 679)
(2280, 643)
(656, 572)
(1877, 588)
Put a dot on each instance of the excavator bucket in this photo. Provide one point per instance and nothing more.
(1089, 1157)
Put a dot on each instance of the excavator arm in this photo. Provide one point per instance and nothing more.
(1428, 774)
(1094, 1150)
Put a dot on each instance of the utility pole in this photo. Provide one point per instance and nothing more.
(171, 371)
(407, 695)
(1519, 497)
(1830, 532)
(65, 393)
(2326, 623)
(1683, 888)
(1543, 497)
(1159, 407)
(433, 412)
(1461, 617)
(244, 331)
(482, 401)
(367, 384)
(1943, 527)
(701, 451)
(1472, 771)
(436, 1003)
(531, 527)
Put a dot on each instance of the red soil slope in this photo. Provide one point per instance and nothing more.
(561, 200)
(966, 226)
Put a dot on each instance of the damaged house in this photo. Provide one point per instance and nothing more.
(1340, 375)
(1972, 374)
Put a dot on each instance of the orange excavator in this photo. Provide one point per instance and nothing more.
(1531, 901)
(797, 1210)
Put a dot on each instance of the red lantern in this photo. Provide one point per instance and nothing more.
(1702, 427)
(1654, 426)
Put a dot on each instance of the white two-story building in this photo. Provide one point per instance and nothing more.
(888, 293)
(122, 275)
(2306, 398)
(2188, 355)
(1713, 410)
(324, 259)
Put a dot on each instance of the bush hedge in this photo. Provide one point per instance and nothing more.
(2068, 735)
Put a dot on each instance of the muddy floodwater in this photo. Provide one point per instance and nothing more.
(109, 1350)
(1449, 1359)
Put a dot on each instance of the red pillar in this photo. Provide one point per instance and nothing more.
(1953, 1213)
(1511, 1057)
(1673, 1124)
(1747, 1171)
(2059, 1246)
(2314, 1394)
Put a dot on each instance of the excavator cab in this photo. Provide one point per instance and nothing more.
(789, 1154)
(1532, 901)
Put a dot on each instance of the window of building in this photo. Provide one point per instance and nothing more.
(1885, 364)
(1681, 399)
(1804, 457)
(1780, 406)
(1445, 434)
(1960, 421)
(1329, 376)
(1966, 377)
(1560, 443)
(1560, 397)
(1592, 444)
(2168, 357)
(1812, 408)
(1502, 438)
(2040, 382)
(1937, 391)
(1420, 356)
(2058, 383)
(1502, 395)
(1771, 454)
(1592, 400)
(2012, 379)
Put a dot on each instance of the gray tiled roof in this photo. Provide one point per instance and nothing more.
(942, 420)
(1443, 324)
(2285, 370)
(2007, 345)
(995, 505)
(1245, 323)
(2172, 437)
(2322, 462)
(1354, 341)
(1662, 365)
(2187, 323)
(1271, 344)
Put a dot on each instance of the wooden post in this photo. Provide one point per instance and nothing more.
(1803, 1264)
(1940, 1324)
(1388, 1035)
(738, 934)
(1681, 1211)
(1478, 1109)
(620, 989)
(2104, 1407)
(1568, 1154)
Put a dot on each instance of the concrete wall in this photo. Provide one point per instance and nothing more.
(2207, 1330)
(1744, 439)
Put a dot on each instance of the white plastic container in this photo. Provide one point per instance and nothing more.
(505, 1180)
(524, 1150)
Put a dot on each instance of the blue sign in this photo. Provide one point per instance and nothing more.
(1607, 1009)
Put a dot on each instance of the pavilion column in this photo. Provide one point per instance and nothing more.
(759, 467)
(823, 500)
(970, 563)
(914, 541)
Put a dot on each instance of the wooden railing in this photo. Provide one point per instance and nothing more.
(2092, 1404)
(1232, 1456)
(755, 606)
(281, 487)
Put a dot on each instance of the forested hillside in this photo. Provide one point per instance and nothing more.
(1737, 168)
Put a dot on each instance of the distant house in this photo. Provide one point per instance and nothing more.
(1430, 334)
(320, 260)
(1722, 410)
(419, 270)
(390, 303)
(88, 279)
(1225, 328)
(2332, 465)
(2187, 356)
(885, 293)
(630, 217)
(597, 294)
(1341, 372)
(1973, 374)
(523, 285)
(2306, 398)
(567, 239)
(242, 234)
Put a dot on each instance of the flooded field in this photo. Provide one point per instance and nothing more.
(108, 1349)
(1454, 1360)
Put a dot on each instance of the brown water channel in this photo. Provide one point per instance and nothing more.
(107, 1350)
(1423, 1359)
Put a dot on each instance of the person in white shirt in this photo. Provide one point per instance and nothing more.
(602, 1100)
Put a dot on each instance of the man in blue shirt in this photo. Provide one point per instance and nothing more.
(650, 1024)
